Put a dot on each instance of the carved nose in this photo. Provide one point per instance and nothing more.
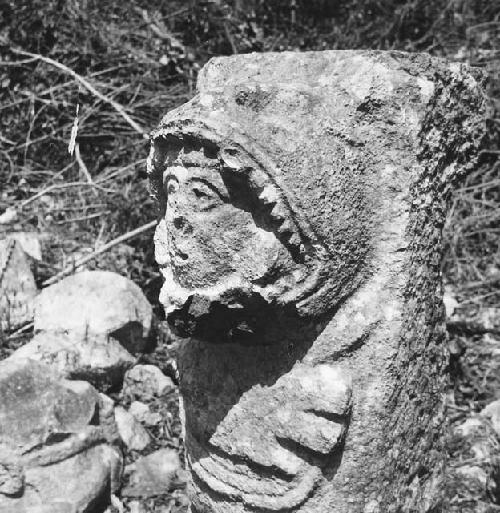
(183, 225)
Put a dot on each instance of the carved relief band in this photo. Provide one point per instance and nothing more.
(302, 199)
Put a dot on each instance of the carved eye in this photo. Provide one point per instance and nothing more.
(206, 196)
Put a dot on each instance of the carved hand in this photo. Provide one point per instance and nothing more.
(269, 449)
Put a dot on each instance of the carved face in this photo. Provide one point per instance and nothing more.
(219, 238)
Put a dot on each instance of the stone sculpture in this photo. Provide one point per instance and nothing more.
(302, 199)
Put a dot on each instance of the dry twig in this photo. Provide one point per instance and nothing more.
(56, 187)
(81, 164)
(85, 83)
(82, 261)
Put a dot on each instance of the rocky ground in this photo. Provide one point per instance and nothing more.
(98, 330)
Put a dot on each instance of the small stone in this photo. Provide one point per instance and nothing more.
(139, 410)
(29, 242)
(96, 303)
(99, 360)
(155, 474)
(146, 381)
(144, 415)
(136, 507)
(134, 436)
(492, 412)
(9, 216)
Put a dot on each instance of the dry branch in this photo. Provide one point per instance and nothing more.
(85, 83)
(82, 261)
(81, 164)
(56, 187)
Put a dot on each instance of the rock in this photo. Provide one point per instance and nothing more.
(97, 359)
(144, 415)
(29, 242)
(55, 456)
(146, 381)
(82, 482)
(155, 474)
(17, 286)
(35, 405)
(492, 412)
(134, 436)
(136, 507)
(96, 303)
(9, 216)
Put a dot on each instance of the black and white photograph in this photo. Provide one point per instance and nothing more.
(249, 256)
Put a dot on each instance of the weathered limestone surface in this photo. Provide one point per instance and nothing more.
(57, 444)
(96, 303)
(302, 201)
(100, 360)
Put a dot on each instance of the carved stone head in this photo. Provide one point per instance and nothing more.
(302, 198)
(267, 192)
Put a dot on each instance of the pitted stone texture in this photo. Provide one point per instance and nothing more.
(96, 303)
(54, 453)
(302, 198)
(17, 286)
(100, 360)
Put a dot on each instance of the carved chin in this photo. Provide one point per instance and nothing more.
(231, 311)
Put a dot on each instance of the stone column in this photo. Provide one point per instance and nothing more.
(302, 201)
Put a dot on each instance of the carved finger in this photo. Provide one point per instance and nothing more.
(324, 389)
(255, 488)
(309, 430)
(258, 445)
